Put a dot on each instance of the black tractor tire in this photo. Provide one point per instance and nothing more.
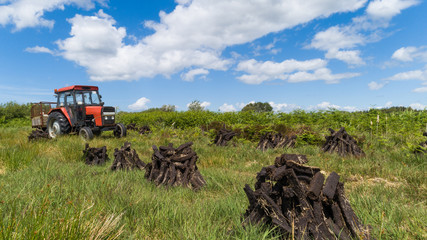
(120, 130)
(57, 124)
(86, 133)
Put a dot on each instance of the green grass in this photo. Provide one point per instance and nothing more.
(47, 192)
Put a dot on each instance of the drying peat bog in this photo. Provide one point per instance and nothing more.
(207, 175)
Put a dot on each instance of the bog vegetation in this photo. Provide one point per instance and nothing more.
(47, 190)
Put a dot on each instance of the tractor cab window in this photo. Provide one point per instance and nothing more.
(94, 97)
(61, 100)
(70, 99)
(79, 98)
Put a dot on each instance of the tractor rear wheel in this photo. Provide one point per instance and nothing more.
(86, 133)
(57, 125)
(120, 130)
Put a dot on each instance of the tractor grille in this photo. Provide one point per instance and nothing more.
(108, 109)
(108, 115)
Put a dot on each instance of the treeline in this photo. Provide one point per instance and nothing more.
(377, 121)
(12, 111)
(398, 120)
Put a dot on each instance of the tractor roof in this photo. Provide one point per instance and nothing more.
(77, 87)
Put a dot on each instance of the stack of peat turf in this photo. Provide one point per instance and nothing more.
(223, 137)
(126, 158)
(295, 199)
(175, 167)
(298, 158)
(132, 126)
(276, 140)
(144, 130)
(38, 134)
(95, 156)
(342, 143)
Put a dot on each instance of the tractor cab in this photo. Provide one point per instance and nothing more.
(79, 109)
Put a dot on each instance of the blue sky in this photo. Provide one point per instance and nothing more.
(311, 55)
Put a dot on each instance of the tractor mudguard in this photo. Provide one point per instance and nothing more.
(63, 111)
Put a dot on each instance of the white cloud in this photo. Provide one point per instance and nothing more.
(205, 104)
(418, 106)
(227, 108)
(420, 75)
(408, 54)
(388, 104)
(420, 90)
(183, 2)
(329, 106)
(242, 105)
(189, 76)
(288, 70)
(140, 104)
(411, 75)
(29, 13)
(387, 9)
(351, 57)
(324, 74)
(38, 49)
(202, 104)
(277, 107)
(339, 41)
(283, 107)
(337, 38)
(212, 25)
(376, 86)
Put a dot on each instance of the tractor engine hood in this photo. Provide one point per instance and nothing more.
(103, 116)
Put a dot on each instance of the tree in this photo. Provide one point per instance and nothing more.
(195, 106)
(168, 108)
(258, 107)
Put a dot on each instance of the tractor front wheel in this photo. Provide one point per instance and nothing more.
(120, 130)
(86, 133)
(57, 125)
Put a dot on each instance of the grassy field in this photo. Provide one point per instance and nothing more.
(47, 191)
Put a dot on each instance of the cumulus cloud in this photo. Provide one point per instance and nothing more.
(38, 49)
(420, 74)
(29, 13)
(328, 106)
(288, 70)
(227, 108)
(189, 76)
(337, 41)
(205, 104)
(202, 104)
(409, 54)
(169, 49)
(140, 104)
(277, 107)
(351, 57)
(418, 106)
(420, 90)
(376, 86)
(340, 42)
(283, 107)
(387, 9)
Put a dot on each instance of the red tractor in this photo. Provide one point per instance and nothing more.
(79, 109)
